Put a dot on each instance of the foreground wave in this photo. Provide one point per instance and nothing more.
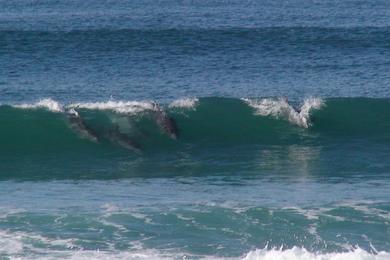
(195, 217)
(196, 135)
(15, 244)
(192, 121)
(259, 254)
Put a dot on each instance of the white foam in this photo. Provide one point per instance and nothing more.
(311, 104)
(10, 244)
(24, 245)
(46, 103)
(280, 108)
(16, 243)
(297, 253)
(184, 103)
(123, 107)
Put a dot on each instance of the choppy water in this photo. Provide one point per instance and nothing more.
(185, 129)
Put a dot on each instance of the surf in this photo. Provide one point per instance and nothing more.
(200, 121)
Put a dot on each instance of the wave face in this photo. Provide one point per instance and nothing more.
(201, 128)
(203, 121)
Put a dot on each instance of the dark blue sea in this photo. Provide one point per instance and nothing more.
(223, 129)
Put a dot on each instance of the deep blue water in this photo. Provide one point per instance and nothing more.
(197, 129)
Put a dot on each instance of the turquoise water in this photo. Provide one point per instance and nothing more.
(192, 130)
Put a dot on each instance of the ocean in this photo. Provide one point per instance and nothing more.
(195, 129)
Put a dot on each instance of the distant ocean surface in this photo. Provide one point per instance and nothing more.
(195, 129)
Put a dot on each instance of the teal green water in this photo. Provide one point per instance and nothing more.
(216, 136)
(219, 216)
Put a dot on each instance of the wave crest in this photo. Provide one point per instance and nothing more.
(46, 103)
(296, 253)
(280, 108)
(184, 103)
(124, 107)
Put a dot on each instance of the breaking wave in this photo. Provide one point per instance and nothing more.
(46, 103)
(184, 103)
(146, 125)
(303, 254)
(23, 245)
(280, 108)
(123, 107)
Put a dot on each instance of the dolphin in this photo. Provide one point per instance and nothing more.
(165, 122)
(78, 124)
(121, 139)
(295, 108)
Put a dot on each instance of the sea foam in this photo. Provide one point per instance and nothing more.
(124, 107)
(46, 103)
(184, 103)
(297, 253)
(280, 108)
(23, 245)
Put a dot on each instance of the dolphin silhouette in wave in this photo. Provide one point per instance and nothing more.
(78, 124)
(121, 139)
(165, 122)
